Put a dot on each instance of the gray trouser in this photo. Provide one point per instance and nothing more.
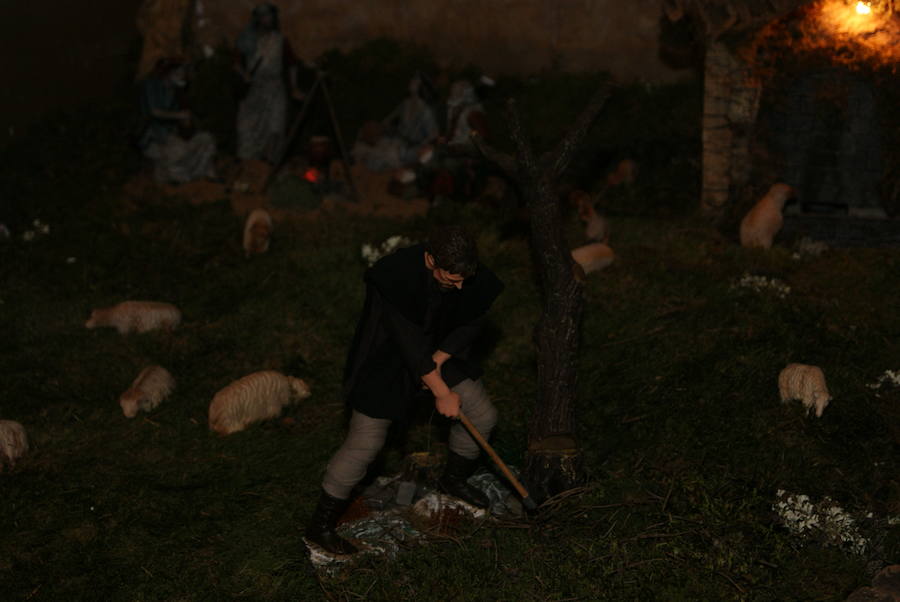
(367, 435)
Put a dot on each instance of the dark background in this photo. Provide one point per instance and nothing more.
(60, 55)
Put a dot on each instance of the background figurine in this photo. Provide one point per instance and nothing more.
(179, 153)
(264, 61)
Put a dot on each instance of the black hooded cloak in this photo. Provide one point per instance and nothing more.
(407, 316)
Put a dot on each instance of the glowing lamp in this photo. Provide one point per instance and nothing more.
(863, 8)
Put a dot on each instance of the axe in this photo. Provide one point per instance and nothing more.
(526, 499)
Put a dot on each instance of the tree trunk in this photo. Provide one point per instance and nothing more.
(746, 90)
(730, 107)
(716, 131)
(554, 463)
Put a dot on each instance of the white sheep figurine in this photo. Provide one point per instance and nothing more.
(806, 383)
(255, 397)
(148, 390)
(764, 220)
(136, 316)
(257, 231)
(13, 442)
(593, 257)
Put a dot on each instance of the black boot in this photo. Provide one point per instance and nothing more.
(321, 527)
(453, 481)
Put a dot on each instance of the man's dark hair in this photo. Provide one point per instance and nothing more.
(265, 8)
(454, 250)
(427, 91)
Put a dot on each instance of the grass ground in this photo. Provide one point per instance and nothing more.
(679, 417)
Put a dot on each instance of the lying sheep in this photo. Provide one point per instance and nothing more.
(136, 316)
(593, 257)
(148, 390)
(13, 442)
(764, 220)
(255, 397)
(806, 383)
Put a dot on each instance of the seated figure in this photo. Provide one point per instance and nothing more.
(455, 171)
(178, 153)
(404, 138)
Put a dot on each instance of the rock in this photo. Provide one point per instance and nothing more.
(885, 587)
(888, 581)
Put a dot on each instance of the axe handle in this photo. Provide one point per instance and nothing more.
(526, 499)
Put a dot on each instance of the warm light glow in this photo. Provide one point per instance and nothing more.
(311, 175)
(859, 35)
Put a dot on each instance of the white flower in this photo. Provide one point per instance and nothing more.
(70, 260)
(889, 376)
(761, 284)
(826, 519)
(393, 242)
(45, 229)
(809, 247)
(372, 253)
(28, 235)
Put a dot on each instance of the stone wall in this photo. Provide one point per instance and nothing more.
(80, 53)
(500, 36)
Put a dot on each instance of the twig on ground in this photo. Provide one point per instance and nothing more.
(668, 495)
(646, 335)
(559, 498)
(635, 564)
(732, 581)
(630, 419)
(658, 535)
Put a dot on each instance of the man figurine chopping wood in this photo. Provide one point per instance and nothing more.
(424, 308)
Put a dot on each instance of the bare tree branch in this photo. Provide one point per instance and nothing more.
(524, 156)
(559, 158)
(505, 161)
(716, 18)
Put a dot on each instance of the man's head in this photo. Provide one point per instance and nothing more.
(172, 69)
(451, 255)
(461, 94)
(265, 17)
